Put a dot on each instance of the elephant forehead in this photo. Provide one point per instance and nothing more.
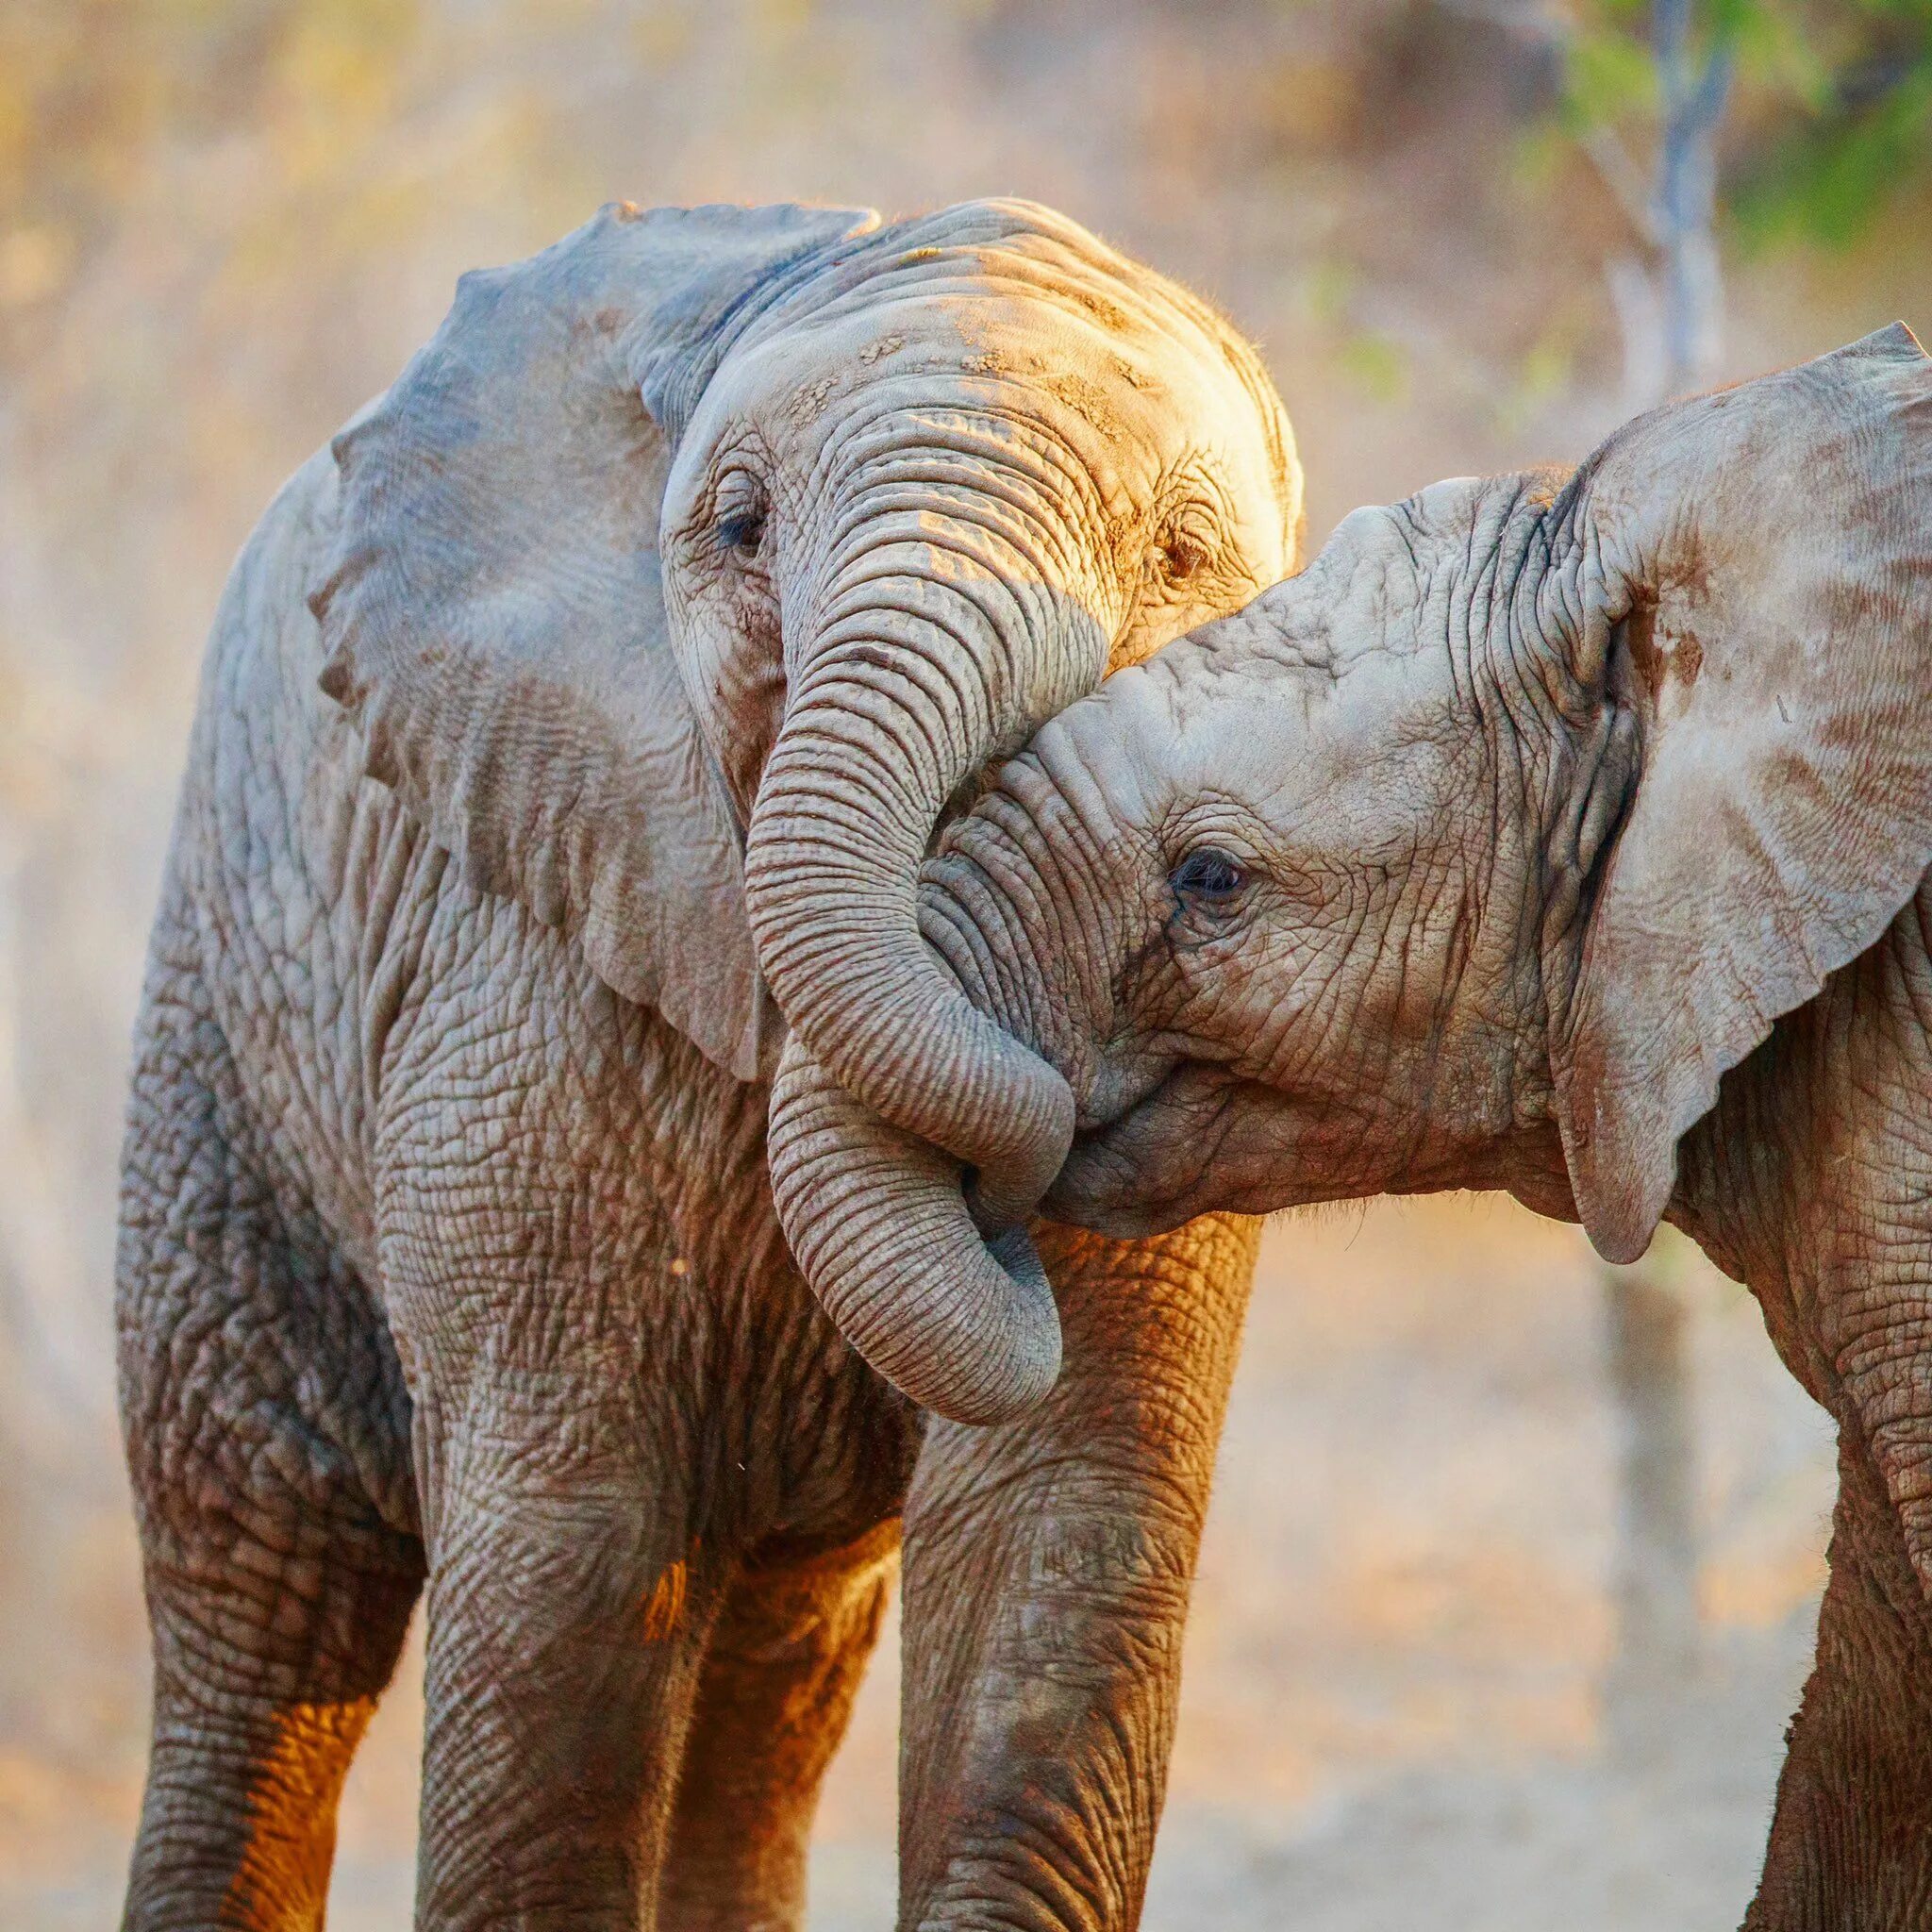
(940, 351)
(1009, 336)
(1123, 371)
(804, 363)
(1360, 758)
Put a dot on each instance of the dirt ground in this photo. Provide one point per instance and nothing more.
(1393, 1711)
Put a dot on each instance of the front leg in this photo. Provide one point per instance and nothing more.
(569, 1604)
(1809, 1181)
(556, 1352)
(547, 1162)
(1850, 1839)
(1048, 1566)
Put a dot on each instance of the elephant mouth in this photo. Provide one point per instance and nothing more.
(1150, 1167)
(1206, 1140)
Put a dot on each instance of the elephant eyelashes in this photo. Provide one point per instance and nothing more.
(1178, 559)
(1208, 876)
(743, 531)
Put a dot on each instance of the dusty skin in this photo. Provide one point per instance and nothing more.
(1565, 834)
(593, 700)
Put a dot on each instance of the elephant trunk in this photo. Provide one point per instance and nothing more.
(932, 652)
(880, 1227)
(925, 664)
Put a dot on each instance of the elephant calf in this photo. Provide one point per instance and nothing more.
(1567, 834)
(594, 702)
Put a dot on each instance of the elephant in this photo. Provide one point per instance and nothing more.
(570, 734)
(1565, 834)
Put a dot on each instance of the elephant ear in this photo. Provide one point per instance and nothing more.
(1759, 600)
(492, 611)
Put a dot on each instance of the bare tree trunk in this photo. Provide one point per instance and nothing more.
(1691, 285)
(1667, 291)
(1668, 300)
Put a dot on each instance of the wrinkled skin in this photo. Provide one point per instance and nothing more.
(1567, 835)
(449, 1251)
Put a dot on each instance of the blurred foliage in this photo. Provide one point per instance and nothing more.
(1863, 142)
(1377, 365)
(1832, 121)
(90, 89)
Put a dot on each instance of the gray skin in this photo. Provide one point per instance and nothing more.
(592, 702)
(1565, 834)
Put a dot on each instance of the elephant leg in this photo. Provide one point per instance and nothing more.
(1850, 1839)
(268, 1665)
(268, 1449)
(569, 1609)
(1048, 1566)
(784, 1663)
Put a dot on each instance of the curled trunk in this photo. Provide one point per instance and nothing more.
(922, 670)
(878, 1223)
(895, 1092)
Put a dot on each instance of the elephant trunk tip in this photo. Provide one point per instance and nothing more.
(964, 1325)
(1013, 1358)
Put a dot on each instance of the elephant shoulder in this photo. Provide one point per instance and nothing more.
(264, 636)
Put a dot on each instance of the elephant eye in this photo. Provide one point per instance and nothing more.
(743, 531)
(1179, 557)
(1207, 874)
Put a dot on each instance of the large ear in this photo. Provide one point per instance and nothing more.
(493, 610)
(1758, 599)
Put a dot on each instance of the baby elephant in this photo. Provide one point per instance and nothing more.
(590, 704)
(1567, 834)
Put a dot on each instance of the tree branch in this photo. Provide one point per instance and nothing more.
(1625, 180)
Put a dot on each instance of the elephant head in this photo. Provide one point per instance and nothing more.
(699, 563)
(1476, 854)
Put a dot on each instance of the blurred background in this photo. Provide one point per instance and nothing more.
(1509, 1586)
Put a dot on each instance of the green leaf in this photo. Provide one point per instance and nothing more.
(1830, 185)
(1607, 75)
(1772, 51)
